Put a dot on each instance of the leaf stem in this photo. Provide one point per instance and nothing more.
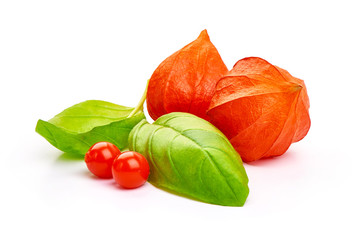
(140, 105)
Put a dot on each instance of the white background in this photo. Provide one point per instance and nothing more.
(54, 54)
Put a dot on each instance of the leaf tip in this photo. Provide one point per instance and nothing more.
(39, 123)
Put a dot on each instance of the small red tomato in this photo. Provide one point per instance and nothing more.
(130, 169)
(100, 157)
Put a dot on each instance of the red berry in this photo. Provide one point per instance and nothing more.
(130, 169)
(100, 157)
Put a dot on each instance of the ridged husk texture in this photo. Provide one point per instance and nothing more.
(261, 108)
(186, 80)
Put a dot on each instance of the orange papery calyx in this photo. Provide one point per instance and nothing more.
(186, 80)
(261, 108)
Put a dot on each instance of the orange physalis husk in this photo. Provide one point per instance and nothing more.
(261, 108)
(185, 81)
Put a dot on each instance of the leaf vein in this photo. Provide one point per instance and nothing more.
(212, 161)
(150, 153)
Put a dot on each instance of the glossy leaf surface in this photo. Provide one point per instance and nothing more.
(77, 128)
(185, 81)
(188, 156)
(261, 108)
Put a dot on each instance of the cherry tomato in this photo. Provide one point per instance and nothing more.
(100, 157)
(130, 169)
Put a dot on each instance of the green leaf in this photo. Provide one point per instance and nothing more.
(77, 128)
(190, 157)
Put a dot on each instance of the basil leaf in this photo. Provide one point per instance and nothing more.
(190, 157)
(77, 128)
